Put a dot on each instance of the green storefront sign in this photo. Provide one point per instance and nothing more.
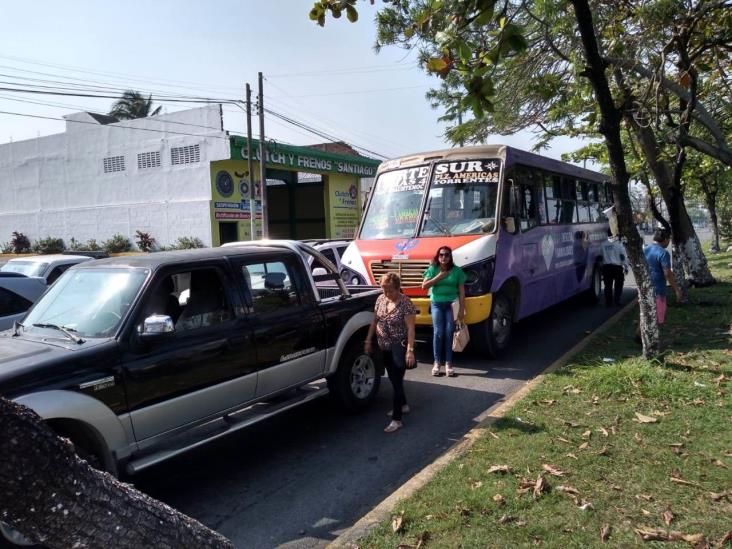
(304, 159)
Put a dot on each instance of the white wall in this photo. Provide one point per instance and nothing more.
(56, 185)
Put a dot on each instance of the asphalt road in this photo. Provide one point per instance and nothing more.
(304, 477)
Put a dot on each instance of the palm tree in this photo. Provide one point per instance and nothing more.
(132, 105)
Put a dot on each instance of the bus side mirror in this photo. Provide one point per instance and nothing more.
(509, 224)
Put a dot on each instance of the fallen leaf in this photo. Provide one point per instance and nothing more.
(464, 511)
(656, 534)
(422, 539)
(552, 470)
(397, 523)
(604, 431)
(560, 439)
(570, 455)
(405, 546)
(586, 506)
(568, 490)
(548, 402)
(644, 496)
(645, 419)
(638, 438)
(540, 486)
(583, 446)
(477, 484)
(499, 499)
(727, 537)
(500, 469)
(668, 516)
(718, 496)
(720, 379)
(605, 532)
(719, 463)
(679, 480)
(616, 487)
(491, 433)
(677, 445)
(646, 513)
(587, 434)
(505, 519)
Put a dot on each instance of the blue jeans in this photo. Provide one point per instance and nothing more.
(443, 326)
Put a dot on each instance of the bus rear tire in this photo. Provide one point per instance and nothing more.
(493, 335)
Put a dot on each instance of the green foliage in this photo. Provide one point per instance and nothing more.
(117, 244)
(49, 245)
(92, 245)
(6, 248)
(133, 105)
(20, 243)
(187, 243)
(144, 241)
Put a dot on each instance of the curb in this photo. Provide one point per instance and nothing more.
(364, 526)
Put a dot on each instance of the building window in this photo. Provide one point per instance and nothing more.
(114, 164)
(189, 154)
(148, 160)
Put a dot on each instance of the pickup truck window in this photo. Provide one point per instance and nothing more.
(11, 303)
(270, 284)
(88, 302)
(201, 299)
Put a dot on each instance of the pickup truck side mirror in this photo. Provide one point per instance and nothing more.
(156, 327)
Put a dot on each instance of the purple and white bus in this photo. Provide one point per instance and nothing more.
(526, 229)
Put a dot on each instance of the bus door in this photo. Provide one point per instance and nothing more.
(534, 244)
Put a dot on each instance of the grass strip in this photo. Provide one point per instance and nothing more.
(610, 450)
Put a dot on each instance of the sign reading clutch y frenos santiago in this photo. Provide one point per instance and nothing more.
(304, 159)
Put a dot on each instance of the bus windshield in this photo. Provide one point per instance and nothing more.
(395, 204)
(462, 200)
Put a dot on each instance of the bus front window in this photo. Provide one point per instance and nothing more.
(462, 198)
(394, 208)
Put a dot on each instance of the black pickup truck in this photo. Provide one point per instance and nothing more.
(140, 358)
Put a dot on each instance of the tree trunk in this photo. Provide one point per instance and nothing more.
(610, 129)
(53, 497)
(710, 198)
(685, 241)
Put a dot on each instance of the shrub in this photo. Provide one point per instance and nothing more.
(117, 244)
(49, 245)
(187, 243)
(20, 243)
(144, 241)
(92, 245)
(6, 248)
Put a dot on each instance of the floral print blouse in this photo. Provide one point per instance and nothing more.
(391, 328)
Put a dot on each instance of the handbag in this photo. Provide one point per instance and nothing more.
(461, 337)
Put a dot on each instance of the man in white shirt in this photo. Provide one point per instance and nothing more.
(614, 268)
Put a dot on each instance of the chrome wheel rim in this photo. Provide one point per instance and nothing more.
(501, 321)
(363, 377)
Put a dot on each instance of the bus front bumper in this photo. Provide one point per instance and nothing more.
(477, 309)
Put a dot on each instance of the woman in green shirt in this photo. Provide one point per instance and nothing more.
(446, 284)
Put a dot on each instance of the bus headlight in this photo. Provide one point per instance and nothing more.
(479, 277)
(351, 277)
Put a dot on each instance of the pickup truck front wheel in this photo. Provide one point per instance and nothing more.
(356, 382)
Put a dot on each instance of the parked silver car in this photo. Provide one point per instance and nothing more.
(49, 267)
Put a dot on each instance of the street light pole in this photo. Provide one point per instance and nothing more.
(263, 161)
(250, 169)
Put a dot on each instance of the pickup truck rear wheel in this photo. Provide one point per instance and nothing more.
(356, 381)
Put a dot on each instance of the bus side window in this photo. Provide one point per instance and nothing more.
(569, 205)
(529, 209)
(552, 189)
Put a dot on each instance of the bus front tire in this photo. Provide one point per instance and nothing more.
(493, 335)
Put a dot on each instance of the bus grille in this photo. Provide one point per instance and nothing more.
(410, 272)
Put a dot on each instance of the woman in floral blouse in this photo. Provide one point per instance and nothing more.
(393, 325)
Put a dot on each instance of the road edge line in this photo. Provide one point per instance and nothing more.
(384, 509)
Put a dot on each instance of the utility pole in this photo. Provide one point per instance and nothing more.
(263, 161)
(460, 123)
(250, 169)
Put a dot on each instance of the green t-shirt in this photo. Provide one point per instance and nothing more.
(447, 288)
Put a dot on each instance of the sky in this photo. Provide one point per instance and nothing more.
(330, 79)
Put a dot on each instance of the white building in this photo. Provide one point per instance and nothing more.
(101, 177)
